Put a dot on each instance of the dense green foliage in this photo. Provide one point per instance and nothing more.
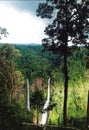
(35, 63)
(78, 83)
(12, 113)
(41, 65)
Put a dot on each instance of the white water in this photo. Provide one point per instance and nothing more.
(46, 105)
(28, 96)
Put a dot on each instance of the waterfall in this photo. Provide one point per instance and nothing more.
(45, 108)
(28, 96)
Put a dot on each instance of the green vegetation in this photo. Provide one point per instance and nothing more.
(67, 25)
(67, 66)
(12, 112)
(17, 62)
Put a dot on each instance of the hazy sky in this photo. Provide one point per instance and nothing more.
(19, 17)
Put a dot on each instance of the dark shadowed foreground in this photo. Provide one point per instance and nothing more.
(47, 127)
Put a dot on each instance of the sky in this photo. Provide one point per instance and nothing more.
(19, 17)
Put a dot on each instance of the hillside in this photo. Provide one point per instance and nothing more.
(19, 62)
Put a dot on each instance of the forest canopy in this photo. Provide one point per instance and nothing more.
(19, 62)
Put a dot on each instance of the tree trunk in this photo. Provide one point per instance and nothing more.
(37, 114)
(65, 71)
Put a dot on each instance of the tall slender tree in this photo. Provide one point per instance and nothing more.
(69, 25)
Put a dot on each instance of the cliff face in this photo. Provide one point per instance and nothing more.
(37, 83)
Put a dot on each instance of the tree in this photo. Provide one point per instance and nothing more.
(8, 55)
(3, 32)
(37, 100)
(69, 24)
(11, 111)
